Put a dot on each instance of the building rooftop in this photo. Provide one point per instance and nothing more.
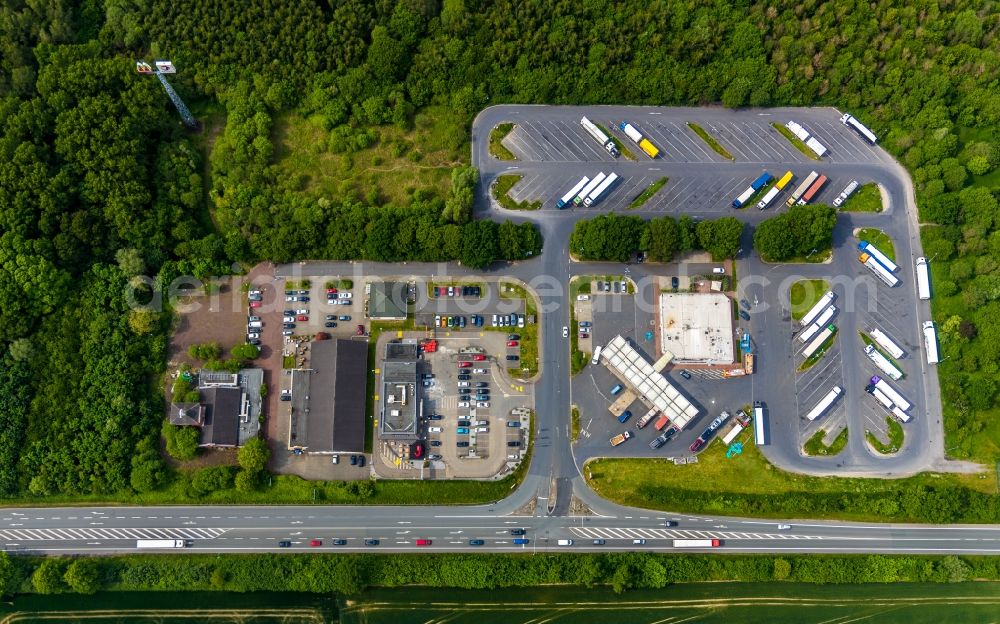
(387, 300)
(334, 417)
(223, 410)
(187, 414)
(400, 406)
(697, 327)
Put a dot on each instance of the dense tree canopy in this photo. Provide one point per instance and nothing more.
(618, 237)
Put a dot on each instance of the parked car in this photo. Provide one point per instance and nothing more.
(480, 371)
(745, 303)
(251, 319)
(254, 341)
(624, 286)
(361, 461)
(685, 374)
(675, 282)
(514, 444)
(435, 417)
(463, 384)
(482, 384)
(302, 311)
(252, 335)
(302, 317)
(513, 423)
(744, 315)
(625, 416)
(287, 332)
(719, 270)
(512, 358)
(583, 297)
(463, 404)
(584, 335)
(464, 423)
(697, 444)
(483, 404)
(513, 336)
(435, 442)
(586, 324)
(288, 319)
(330, 324)
(479, 357)
(482, 429)
(433, 429)
(462, 431)
(331, 317)
(302, 298)
(255, 304)
(464, 377)
(360, 331)
(331, 291)
(462, 444)
(344, 317)
(354, 460)
(512, 343)
(289, 325)
(465, 364)
(607, 286)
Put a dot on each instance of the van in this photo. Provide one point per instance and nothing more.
(565, 542)
(255, 324)
(597, 356)
(616, 389)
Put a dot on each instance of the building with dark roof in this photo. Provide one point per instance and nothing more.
(332, 416)
(387, 301)
(187, 414)
(400, 407)
(224, 407)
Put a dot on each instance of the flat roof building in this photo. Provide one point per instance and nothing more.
(400, 406)
(697, 327)
(224, 407)
(332, 417)
(387, 301)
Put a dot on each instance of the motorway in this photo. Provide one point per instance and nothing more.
(553, 479)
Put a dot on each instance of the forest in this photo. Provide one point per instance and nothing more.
(618, 237)
(100, 184)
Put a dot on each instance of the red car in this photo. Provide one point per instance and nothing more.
(479, 357)
(302, 317)
(424, 542)
(512, 343)
(465, 364)
(361, 330)
(331, 291)
(316, 543)
(255, 304)
(697, 444)
(582, 335)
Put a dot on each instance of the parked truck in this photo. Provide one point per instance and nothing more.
(647, 418)
(923, 278)
(883, 363)
(887, 343)
(812, 191)
(159, 543)
(825, 403)
(852, 122)
(644, 144)
(595, 195)
(890, 392)
(586, 190)
(802, 188)
(844, 194)
(661, 422)
(573, 192)
(759, 432)
(818, 308)
(621, 437)
(816, 146)
(696, 543)
(930, 342)
(882, 259)
(798, 131)
(755, 186)
(880, 271)
(599, 135)
(768, 198)
(821, 322)
(819, 341)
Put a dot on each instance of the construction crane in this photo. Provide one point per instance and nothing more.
(166, 67)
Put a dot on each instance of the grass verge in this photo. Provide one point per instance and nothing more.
(804, 294)
(708, 138)
(748, 484)
(878, 238)
(497, 149)
(622, 148)
(865, 199)
(574, 423)
(644, 196)
(578, 357)
(794, 140)
(502, 185)
(895, 438)
(527, 366)
(815, 446)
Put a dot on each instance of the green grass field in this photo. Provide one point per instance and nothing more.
(388, 171)
(895, 438)
(497, 148)
(501, 187)
(865, 199)
(804, 294)
(878, 238)
(701, 603)
(814, 445)
(731, 486)
(710, 140)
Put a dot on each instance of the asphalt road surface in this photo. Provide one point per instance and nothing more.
(553, 478)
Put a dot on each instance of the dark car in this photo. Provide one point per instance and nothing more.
(482, 384)
(339, 542)
(288, 326)
(512, 358)
(744, 315)
(669, 523)
(462, 444)
(427, 376)
(657, 442)
(354, 460)
(517, 531)
(284, 543)
(685, 374)
(675, 283)
(598, 542)
(329, 317)
(464, 377)
(476, 542)
(303, 298)
(254, 341)
(361, 461)
(286, 397)
(435, 442)
(745, 303)
(625, 416)
(435, 417)
(330, 324)
(371, 542)
(513, 336)
(514, 444)
(464, 423)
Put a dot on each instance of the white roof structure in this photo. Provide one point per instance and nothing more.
(651, 386)
(697, 327)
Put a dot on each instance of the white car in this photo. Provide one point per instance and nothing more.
(252, 335)
(583, 297)
(482, 404)
(287, 332)
(565, 332)
(719, 270)
(482, 429)
(463, 404)
(479, 371)
(288, 319)
(251, 319)
(494, 320)
(784, 527)
(520, 320)
(346, 295)
(291, 298)
(463, 384)
(302, 311)
(433, 429)
(345, 302)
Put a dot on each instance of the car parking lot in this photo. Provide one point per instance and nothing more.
(473, 412)
(322, 306)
